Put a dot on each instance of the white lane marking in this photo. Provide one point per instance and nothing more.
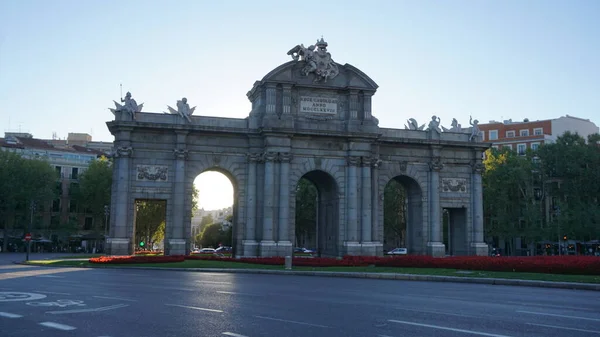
(51, 276)
(76, 311)
(233, 334)
(12, 296)
(115, 298)
(51, 292)
(564, 328)
(9, 315)
(447, 328)
(234, 293)
(58, 326)
(556, 315)
(213, 282)
(195, 308)
(441, 313)
(288, 321)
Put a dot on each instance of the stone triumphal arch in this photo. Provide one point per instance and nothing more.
(311, 118)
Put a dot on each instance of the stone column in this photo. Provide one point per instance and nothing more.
(376, 237)
(367, 105)
(478, 246)
(366, 203)
(267, 245)
(435, 245)
(287, 99)
(121, 232)
(176, 236)
(249, 242)
(284, 242)
(351, 243)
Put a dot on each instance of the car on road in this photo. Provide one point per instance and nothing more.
(223, 249)
(302, 250)
(398, 251)
(207, 250)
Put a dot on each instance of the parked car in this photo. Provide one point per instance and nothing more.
(302, 250)
(223, 249)
(398, 251)
(207, 250)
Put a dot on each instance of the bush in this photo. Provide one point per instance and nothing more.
(136, 259)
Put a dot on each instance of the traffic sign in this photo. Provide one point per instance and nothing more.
(27, 237)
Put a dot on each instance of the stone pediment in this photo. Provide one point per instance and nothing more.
(349, 77)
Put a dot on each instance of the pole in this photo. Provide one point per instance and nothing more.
(31, 207)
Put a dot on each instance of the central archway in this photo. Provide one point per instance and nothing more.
(322, 233)
(403, 215)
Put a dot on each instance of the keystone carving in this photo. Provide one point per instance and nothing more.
(180, 153)
(152, 172)
(436, 164)
(454, 185)
(124, 151)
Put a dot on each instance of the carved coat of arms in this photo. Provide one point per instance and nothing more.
(318, 62)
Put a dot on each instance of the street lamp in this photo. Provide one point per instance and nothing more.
(32, 208)
(106, 213)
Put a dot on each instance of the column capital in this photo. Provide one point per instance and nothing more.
(123, 151)
(269, 156)
(436, 164)
(477, 166)
(376, 162)
(180, 153)
(284, 157)
(366, 161)
(253, 157)
(353, 161)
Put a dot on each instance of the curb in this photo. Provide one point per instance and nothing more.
(379, 276)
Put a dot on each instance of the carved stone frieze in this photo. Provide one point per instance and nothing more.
(436, 164)
(253, 157)
(216, 158)
(124, 151)
(152, 172)
(403, 165)
(458, 185)
(376, 162)
(180, 153)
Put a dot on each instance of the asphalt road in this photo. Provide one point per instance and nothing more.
(41, 301)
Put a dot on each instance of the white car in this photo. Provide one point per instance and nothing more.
(207, 250)
(398, 251)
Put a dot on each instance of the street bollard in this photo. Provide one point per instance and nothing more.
(288, 262)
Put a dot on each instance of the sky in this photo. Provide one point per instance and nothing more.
(62, 62)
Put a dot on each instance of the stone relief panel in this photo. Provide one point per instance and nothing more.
(456, 185)
(152, 172)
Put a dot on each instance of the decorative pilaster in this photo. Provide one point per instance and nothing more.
(352, 222)
(267, 244)
(478, 246)
(353, 104)
(435, 244)
(376, 163)
(367, 105)
(366, 203)
(271, 95)
(287, 99)
(284, 241)
(249, 242)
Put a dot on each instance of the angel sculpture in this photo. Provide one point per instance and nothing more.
(183, 109)
(413, 125)
(130, 106)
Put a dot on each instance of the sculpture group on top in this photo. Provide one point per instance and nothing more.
(130, 106)
(318, 62)
(434, 125)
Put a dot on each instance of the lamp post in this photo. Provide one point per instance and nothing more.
(28, 240)
(106, 213)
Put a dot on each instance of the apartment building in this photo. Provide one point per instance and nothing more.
(520, 136)
(69, 161)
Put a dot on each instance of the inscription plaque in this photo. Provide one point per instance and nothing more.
(318, 105)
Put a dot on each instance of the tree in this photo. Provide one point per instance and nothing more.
(150, 221)
(306, 211)
(210, 235)
(194, 199)
(23, 182)
(394, 213)
(95, 186)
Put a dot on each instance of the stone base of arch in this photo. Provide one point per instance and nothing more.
(479, 249)
(436, 249)
(249, 248)
(118, 246)
(176, 247)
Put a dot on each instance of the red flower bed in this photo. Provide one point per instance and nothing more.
(581, 265)
(136, 259)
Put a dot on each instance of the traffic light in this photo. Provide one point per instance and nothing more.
(142, 243)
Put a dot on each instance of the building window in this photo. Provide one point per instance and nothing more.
(538, 131)
(495, 147)
(535, 146)
(509, 146)
(510, 134)
(72, 206)
(89, 223)
(54, 221)
(521, 148)
(482, 134)
(74, 172)
(493, 135)
(58, 170)
(523, 133)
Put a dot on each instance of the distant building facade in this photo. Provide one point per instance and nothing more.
(521, 136)
(70, 158)
(218, 215)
